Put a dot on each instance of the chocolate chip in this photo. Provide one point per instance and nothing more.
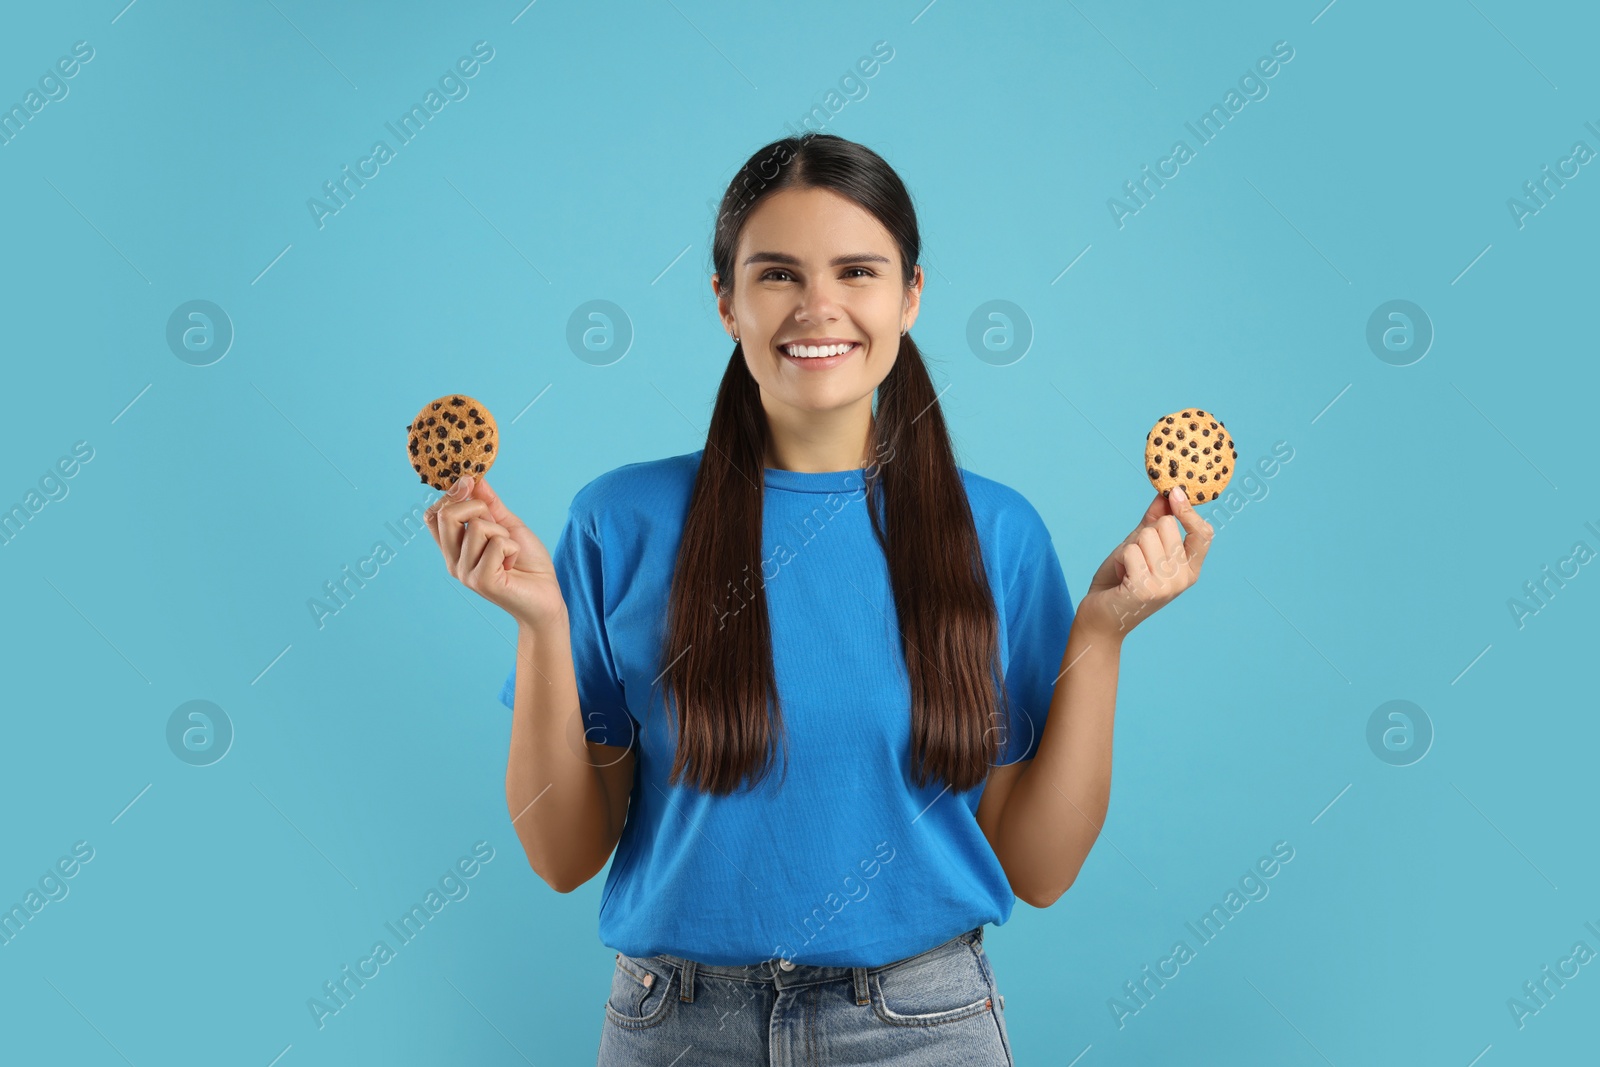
(436, 408)
(1151, 471)
(1180, 435)
(488, 448)
(456, 401)
(1170, 446)
(1202, 477)
(1169, 421)
(478, 467)
(479, 435)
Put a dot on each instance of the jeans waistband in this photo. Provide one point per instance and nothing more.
(774, 971)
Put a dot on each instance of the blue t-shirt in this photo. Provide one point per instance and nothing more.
(848, 863)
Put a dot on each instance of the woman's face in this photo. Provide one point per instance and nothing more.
(812, 266)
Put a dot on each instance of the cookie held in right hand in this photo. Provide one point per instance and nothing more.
(1191, 448)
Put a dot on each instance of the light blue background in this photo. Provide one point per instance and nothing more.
(369, 753)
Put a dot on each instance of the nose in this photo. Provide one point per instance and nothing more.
(818, 303)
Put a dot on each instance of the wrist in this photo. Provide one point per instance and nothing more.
(539, 630)
(1097, 634)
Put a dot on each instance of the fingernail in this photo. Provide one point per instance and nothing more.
(1182, 497)
(460, 486)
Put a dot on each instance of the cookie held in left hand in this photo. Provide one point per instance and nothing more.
(1191, 448)
(452, 436)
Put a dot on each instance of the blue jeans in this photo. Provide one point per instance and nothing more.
(940, 1007)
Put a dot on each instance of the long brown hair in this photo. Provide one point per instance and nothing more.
(720, 675)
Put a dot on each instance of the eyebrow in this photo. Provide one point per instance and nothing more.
(794, 261)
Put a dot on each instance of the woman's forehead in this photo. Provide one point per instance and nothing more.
(812, 223)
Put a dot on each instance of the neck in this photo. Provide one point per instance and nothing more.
(817, 441)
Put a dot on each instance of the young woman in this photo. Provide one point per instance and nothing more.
(821, 581)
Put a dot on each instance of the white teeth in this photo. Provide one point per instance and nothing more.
(813, 352)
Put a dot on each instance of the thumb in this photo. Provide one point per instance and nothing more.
(532, 548)
(497, 509)
(1158, 507)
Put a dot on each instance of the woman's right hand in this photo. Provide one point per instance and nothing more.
(490, 551)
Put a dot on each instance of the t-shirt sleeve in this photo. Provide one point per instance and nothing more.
(579, 573)
(1039, 617)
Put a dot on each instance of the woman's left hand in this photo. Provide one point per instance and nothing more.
(1151, 566)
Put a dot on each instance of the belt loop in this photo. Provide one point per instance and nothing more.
(860, 976)
(686, 982)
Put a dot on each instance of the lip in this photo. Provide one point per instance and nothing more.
(820, 341)
(820, 362)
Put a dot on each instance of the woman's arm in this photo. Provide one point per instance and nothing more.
(1057, 804)
(561, 791)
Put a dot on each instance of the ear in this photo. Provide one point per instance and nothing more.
(724, 311)
(913, 297)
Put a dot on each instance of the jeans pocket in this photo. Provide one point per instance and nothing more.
(640, 989)
(943, 986)
(999, 999)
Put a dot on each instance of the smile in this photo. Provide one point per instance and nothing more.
(819, 357)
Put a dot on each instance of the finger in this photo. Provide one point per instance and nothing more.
(495, 553)
(1133, 562)
(477, 534)
(430, 514)
(459, 512)
(459, 490)
(490, 527)
(1161, 564)
(1171, 535)
(497, 509)
(1200, 531)
(1157, 508)
(473, 541)
(447, 526)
